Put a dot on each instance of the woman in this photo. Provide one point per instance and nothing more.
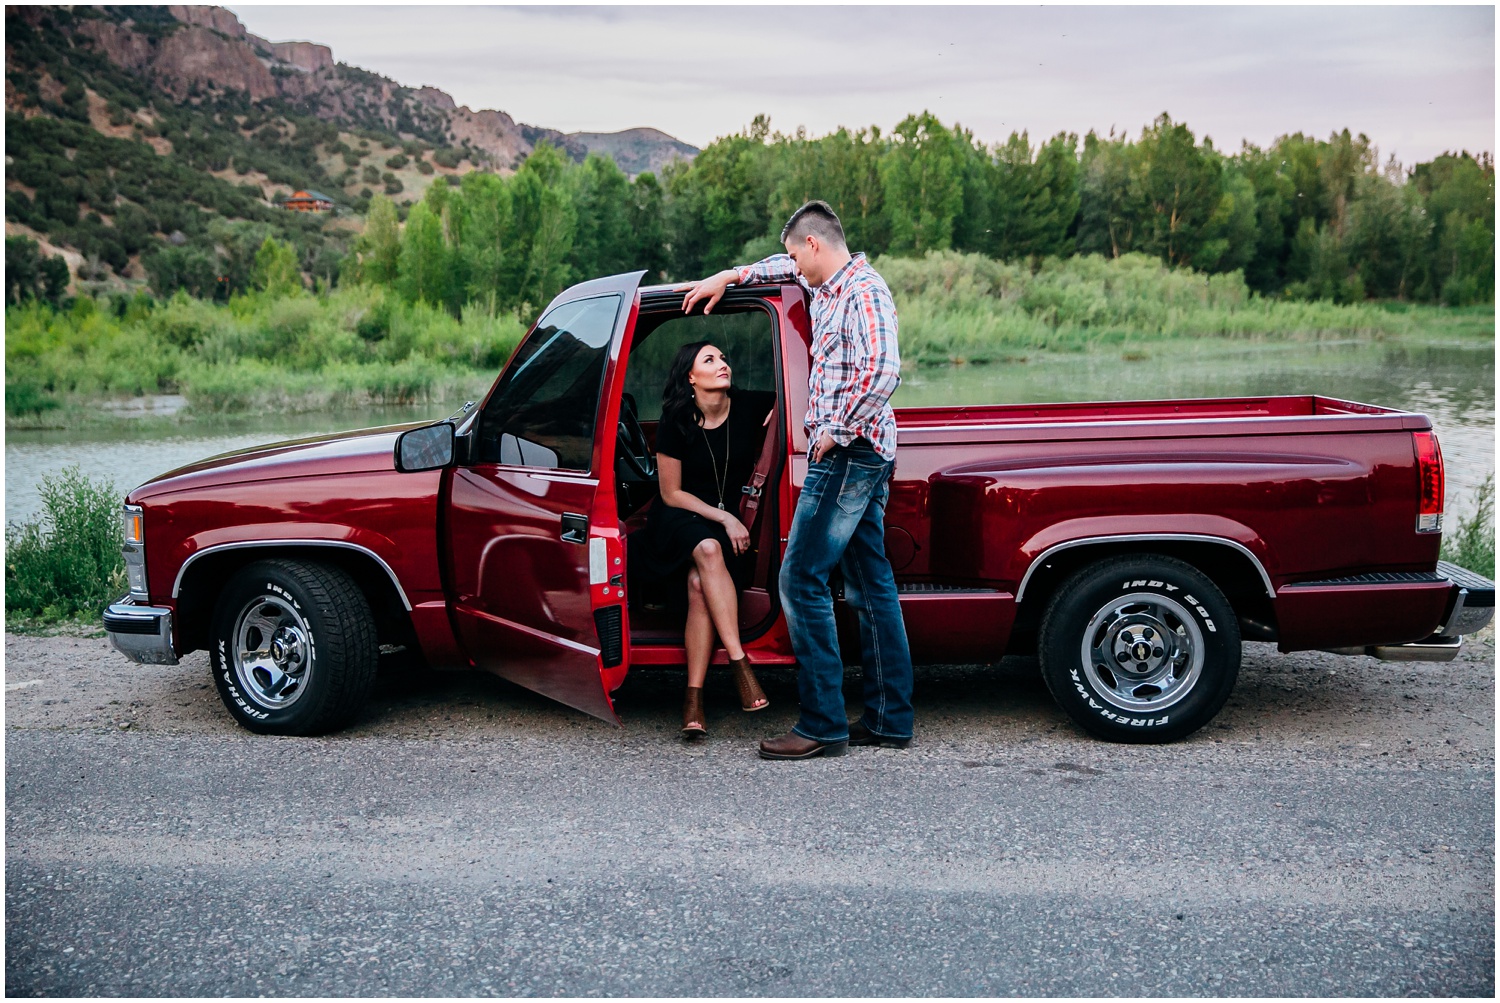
(706, 445)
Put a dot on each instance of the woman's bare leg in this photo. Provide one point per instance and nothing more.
(698, 635)
(720, 595)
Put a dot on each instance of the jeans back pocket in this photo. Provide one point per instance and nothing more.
(863, 480)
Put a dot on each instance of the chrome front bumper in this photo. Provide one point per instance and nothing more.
(141, 633)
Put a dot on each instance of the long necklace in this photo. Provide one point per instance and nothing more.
(720, 482)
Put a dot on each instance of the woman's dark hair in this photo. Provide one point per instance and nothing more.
(678, 402)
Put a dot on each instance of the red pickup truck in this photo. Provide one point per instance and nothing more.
(1130, 546)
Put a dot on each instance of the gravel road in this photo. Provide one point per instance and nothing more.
(1331, 833)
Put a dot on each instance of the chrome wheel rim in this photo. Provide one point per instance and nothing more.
(1143, 652)
(272, 651)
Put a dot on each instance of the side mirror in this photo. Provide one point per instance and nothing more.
(427, 448)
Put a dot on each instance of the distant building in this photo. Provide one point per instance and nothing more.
(308, 202)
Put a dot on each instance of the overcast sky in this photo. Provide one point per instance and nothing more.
(1417, 80)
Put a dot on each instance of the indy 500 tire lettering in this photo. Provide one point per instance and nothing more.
(1140, 648)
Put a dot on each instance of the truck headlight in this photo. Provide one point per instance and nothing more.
(133, 524)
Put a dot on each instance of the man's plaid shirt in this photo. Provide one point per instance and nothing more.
(856, 365)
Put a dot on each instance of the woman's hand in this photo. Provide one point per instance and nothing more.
(739, 536)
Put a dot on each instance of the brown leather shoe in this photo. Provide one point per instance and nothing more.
(692, 713)
(860, 735)
(794, 746)
(752, 697)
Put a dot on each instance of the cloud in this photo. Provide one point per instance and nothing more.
(1415, 79)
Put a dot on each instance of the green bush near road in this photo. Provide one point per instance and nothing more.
(65, 564)
(1472, 544)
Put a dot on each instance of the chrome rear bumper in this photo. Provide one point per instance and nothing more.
(1473, 606)
(141, 633)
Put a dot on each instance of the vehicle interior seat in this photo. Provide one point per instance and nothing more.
(747, 338)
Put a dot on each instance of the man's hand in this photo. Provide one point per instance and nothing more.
(820, 448)
(710, 289)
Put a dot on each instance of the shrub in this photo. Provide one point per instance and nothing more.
(30, 275)
(26, 395)
(67, 561)
(397, 162)
(1473, 546)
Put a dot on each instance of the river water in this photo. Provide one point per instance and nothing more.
(1454, 384)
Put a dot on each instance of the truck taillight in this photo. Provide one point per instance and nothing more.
(1429, 482)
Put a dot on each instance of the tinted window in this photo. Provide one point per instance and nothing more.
(745, 338)
(542, 413)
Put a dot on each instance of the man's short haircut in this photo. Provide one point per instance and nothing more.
(817, 218)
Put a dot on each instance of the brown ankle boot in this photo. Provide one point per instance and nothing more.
(692, 713)
(752, 697)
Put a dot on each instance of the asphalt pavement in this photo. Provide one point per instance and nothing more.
(1332, 833)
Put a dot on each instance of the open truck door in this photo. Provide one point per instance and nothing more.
(535, 557)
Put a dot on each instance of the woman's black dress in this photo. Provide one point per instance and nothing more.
(661, 553)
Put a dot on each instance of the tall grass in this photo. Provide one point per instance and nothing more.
(969, 308)
(1473, 545)
(357, 345)
(364, 345)
(66, 562)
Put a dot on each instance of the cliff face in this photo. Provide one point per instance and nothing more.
(209, 50)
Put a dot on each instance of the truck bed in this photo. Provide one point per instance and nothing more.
(1293, 414)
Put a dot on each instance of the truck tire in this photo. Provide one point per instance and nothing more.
(1140, 648)
(294, 648)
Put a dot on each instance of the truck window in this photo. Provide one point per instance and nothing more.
(744, 336)
(542, 414)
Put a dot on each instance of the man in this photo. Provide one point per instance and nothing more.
(840, 516)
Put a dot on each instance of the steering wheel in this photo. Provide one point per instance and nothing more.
(630, 442)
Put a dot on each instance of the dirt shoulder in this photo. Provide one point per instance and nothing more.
(1310, 703)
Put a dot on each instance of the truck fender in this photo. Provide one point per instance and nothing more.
(1187, 528)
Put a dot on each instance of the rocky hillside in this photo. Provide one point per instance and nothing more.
(134, 129)
(192, 51)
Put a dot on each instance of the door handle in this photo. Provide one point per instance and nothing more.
(575, 528)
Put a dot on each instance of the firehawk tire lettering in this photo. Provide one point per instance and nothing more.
(1191, 654)
(326, 614)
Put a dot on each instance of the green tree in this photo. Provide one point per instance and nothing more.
(29, 275)
(485, 221)
(720, 202)
(543, 220)
(1108, 205)
(378, 248)
(1034, 198)
(603, 243)
(187, 268)
(648, 227)
(922, 175)
(1458, 194)
(276, 270)
(422, 270)
(1179, 185)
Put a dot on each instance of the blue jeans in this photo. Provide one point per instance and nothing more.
(840, 520)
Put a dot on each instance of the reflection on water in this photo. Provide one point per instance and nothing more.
(1454, 385)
